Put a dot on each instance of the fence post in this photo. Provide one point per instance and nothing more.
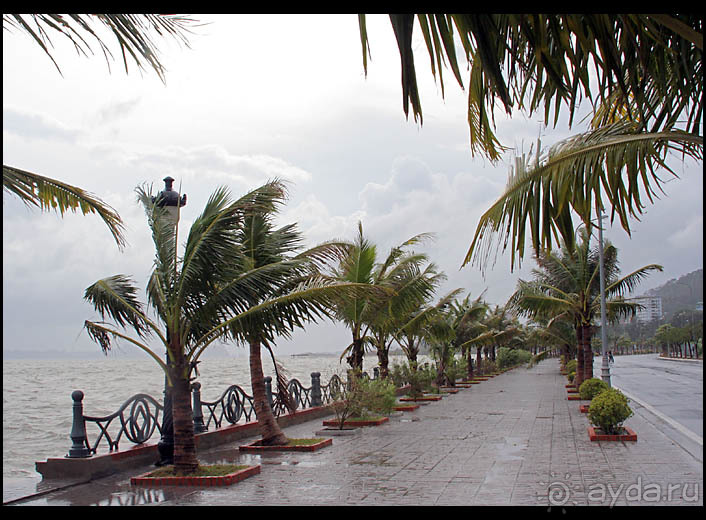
(199, 427)
(316, 389)
(78, 429)
(268, 391)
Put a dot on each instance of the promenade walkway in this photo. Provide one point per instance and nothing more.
(512, 440)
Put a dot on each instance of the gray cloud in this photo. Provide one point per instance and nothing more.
(31, 125)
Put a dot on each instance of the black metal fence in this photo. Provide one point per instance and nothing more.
(141, 415)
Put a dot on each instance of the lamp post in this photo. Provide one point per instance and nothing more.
(605, 366)
(169, 199)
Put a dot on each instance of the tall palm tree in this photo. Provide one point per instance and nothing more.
(205, 295)
(295, 283)
(566, 286)
(133, 34)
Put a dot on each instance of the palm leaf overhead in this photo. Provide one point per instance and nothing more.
(613, 161)
(45, 193)
(133, 33)
(540, 62)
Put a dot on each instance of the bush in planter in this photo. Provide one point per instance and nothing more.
(571, 366)
(571, 376)
(419, 380)
(608, 410)
(361, 397)
(590, 388)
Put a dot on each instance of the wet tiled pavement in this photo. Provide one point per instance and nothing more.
(512, 440)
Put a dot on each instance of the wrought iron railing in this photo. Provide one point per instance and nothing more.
(139, 417)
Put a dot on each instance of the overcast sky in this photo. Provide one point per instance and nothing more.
(257, 97)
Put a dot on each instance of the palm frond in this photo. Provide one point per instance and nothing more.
(45, 193)
(614, 160)
(134, 34)
(115, 296)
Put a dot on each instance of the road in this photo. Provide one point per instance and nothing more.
(668, 393)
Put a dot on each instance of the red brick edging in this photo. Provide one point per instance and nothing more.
(223, 480)
(406, 408)
(425, 398)
(629, 436)
(256, 447)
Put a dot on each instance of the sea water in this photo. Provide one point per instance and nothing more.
(37, 404)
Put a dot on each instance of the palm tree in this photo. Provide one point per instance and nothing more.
(205, 295)
(566, 286)
(133, 34)
(469, 329)
(402, 274)
(295, 283)
(360, 313)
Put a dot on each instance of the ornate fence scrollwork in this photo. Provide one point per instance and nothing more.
(137, 426)
(231, 406)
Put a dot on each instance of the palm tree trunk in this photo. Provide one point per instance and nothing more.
(469, 355)
(579, 357)
(185, 460)
(355, 360)
(588, 355)
(383, 362)
(479, 360)
(270, 431)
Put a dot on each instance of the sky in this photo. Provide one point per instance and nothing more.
(256, 97)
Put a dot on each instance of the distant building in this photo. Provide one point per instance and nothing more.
(652, 308)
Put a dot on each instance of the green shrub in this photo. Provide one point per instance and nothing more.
(363, 397)
(510, 357)
(419, 380)
(571, 366)
(608, 410)
(456, 369)
(570, 376)
(590, 388)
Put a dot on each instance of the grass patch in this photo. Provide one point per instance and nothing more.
(303, 442)
(212, 470)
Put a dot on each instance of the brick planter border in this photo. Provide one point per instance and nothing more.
(425, 398)
(256, 447)
(405, 408)
(583, 408)
(449, 390)
(629, 436)
(374, 422)
(222, 480)
(574, 397)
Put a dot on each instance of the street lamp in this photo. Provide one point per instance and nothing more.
(170, 200)
(605, 366)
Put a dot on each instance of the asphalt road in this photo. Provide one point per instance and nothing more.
(671, 392)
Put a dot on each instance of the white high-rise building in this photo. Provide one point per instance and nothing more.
(652, 308)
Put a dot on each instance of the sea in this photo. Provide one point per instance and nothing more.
(37, 404)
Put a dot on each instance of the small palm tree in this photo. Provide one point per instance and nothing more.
(469, 329)
(361, 313)
(566, 286)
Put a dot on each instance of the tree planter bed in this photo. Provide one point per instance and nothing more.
(358, 422)
(257, 447)
(570, 385)
(572, 390)
(583, 408)
(574, 397)
(449, 390)
(206, 481)
(597, 435)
